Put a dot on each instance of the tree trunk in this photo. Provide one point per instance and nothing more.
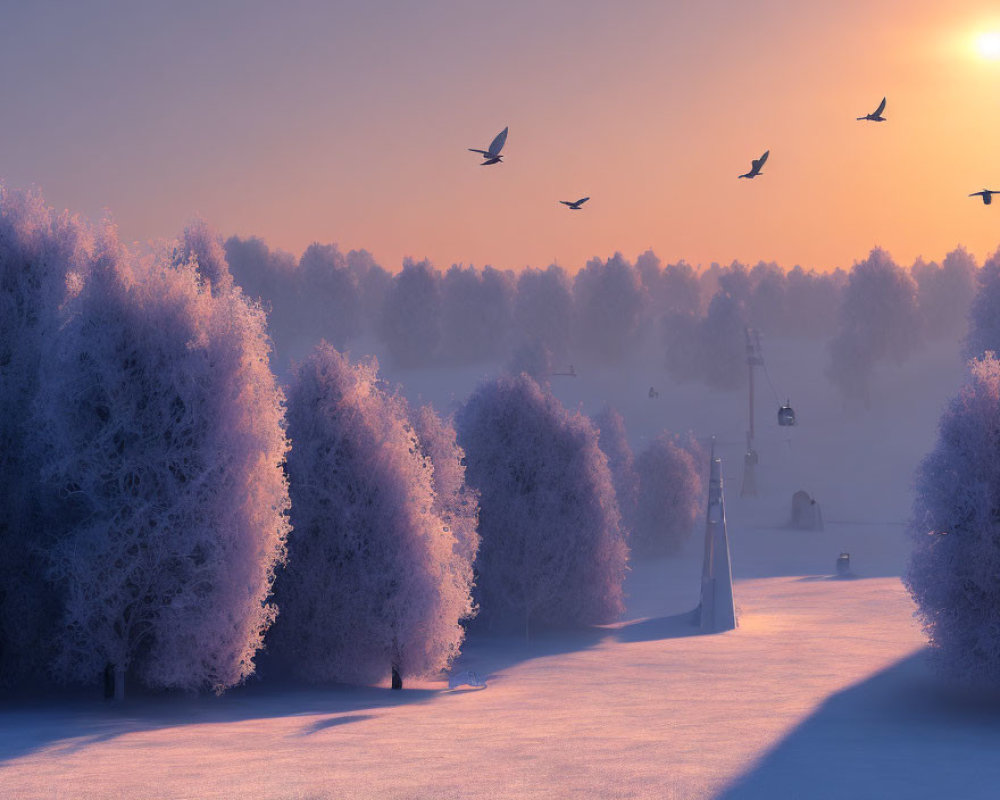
(119, 683)
(397, 679)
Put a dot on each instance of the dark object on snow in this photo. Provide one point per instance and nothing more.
(844, 564)
(806, 514)
(397, 679)
(109, 681)
(786, 415)
(653, 392)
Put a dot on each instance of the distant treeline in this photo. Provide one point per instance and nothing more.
(540, 320)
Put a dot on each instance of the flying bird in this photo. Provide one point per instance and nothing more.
(575, 205)
(492, 156)
(876, 115)
(986, 194)
(756, 165)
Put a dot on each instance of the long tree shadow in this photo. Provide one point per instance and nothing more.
(901, 733)
(66, 720)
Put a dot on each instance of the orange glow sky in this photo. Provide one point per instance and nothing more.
(348, 122)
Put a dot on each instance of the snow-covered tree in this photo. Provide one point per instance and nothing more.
(454, 501)
(534, 359)
(812, 301)
(614, 444)
(945, 292)
(376, 579)
(609, 300)
(553, 549)
(411, 316)
(202, 245)
(39, 252)
(984, 315)
(878, 322)
(669, 497)
(543, 310)
(329, 300)
(955, 562)
(723, 342)
(162, 442)
(477, 311)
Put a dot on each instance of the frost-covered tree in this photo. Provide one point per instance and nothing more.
(766, 308)
(984, 314)
(812, 301)
(723, 342)
(270, 277)
(163, 443)
(945, 292)
(454, 501)
(669, 495)
(201, 245)
(609, 300)
(613, 442)
(39, 252)
(376, 579)
(553, 549)
(955, 562)
(543, 310)
(477, 311)
(878, 322)
(329, 300)
(534, 359)
(411, 315)
(373, 284)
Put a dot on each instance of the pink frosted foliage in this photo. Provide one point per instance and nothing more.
(670, 495)
(553, 550)
(454, 501)
(41, 254)
(375, 577)
(955, 562)
(164, 440)
(202, 246)
(614, 444)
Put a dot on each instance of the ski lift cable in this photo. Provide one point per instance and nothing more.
(770, 382)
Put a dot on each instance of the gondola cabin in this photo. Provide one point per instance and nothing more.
(786, 416)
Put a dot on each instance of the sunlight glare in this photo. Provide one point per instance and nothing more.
(988, 45)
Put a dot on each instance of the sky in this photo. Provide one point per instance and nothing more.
(348, 122)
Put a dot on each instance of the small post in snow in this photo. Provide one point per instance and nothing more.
(718, 608)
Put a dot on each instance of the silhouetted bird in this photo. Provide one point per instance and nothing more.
(876, 115)
(492, 155)
(986, 194)
(575, 205)
(755, 166)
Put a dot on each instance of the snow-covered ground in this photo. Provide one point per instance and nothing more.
(823, 691)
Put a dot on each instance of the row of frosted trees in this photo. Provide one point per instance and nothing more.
(170, 511)
(540, 320)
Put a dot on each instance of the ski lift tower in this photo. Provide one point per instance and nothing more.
(717, 611)
(750, 458)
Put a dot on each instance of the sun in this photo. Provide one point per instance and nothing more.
(988, 45)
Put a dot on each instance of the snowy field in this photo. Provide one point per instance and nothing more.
(823, 691)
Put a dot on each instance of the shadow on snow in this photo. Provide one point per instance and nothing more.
(901, 733)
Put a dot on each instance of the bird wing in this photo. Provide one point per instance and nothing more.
(497, 144)
(566, 202)
(474, 150)
(977, 194)
(880, 109)
(760, 161)
(581, 201)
